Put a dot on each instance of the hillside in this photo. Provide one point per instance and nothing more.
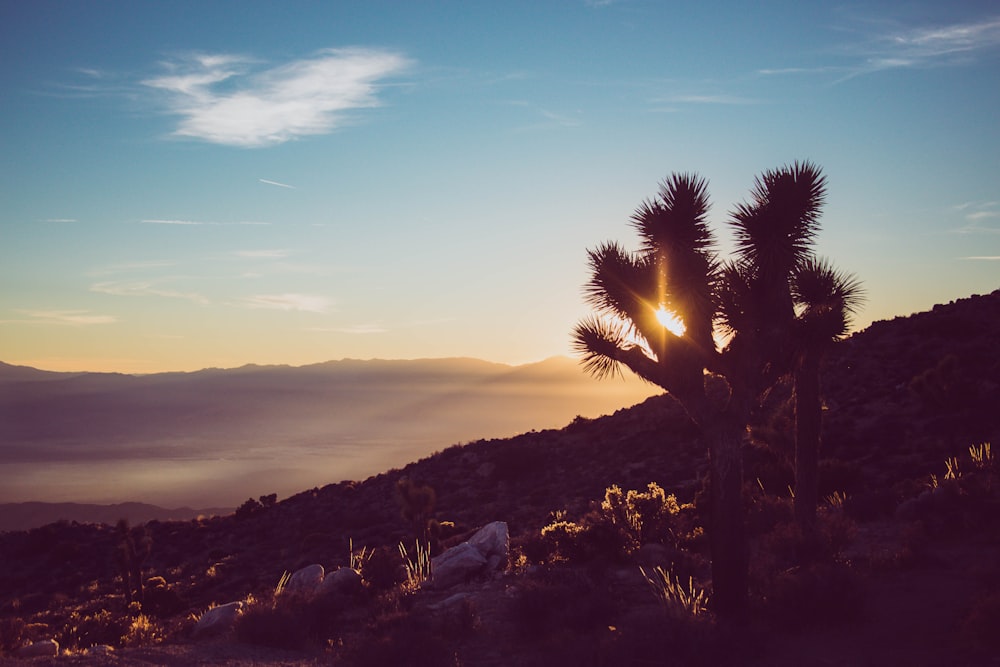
(902, 397)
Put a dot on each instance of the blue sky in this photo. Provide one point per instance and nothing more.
(200, 184)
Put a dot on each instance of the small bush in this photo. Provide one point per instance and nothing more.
(143, 631)
(279, 624)
(402, 639)
(980, 625)
(383, 570)
(642, 516)
(12, 634)
(823, 594)
(83, 630)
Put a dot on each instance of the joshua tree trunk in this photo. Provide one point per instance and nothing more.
(808, 418)
(727, 536)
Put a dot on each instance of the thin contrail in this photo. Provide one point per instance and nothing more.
(280, 185)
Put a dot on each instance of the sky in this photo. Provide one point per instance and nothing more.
(210, 184)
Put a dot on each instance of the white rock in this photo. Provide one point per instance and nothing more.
(47, 648)
(306, 580)
(493, 542)
(455, 566)
(218, 620)
(340, 581)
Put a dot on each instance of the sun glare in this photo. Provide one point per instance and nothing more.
(670, 321)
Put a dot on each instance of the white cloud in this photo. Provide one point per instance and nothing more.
(263, 108)
(67, 317)
(303, 302)
(989, 258)
(59, 220)
(142, 288)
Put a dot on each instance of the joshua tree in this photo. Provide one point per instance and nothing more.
(655, 314)
(825, 298)
(657, 311)
(131, 551)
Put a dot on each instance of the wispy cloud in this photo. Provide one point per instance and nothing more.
(977, 213)
(727, 100)
(303, 302)
(196, 223)
(276, 183)
(224, 99)
(988, 258)
(355, 329)
(143, 288)
(60, 220)
(65, 317)
(261, 254)
(909, 47)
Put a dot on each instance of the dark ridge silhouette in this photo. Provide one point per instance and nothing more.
(23, 516)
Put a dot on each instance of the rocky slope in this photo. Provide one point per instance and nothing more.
(902, 397)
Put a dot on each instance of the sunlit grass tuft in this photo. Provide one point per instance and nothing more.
(680, 602)
(418, 568)
(982, 456)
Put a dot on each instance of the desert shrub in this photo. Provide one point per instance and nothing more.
(278, 624)
(416, 505)
(461, 620)
(143, 631)
(657, 639)
(292, 621)
(821, 594)
(160, 599)
(871, 504)
(13, 634)
(560, 540)
(383, 570)
(248, 509)
(570, 602)
(83, 630)
(765, 511)
(402, 639)
(837, 475)
(979, 627)
(641, 516)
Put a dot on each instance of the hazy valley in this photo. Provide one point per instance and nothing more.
(215, 437)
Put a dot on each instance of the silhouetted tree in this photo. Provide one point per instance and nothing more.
(825, 299)
(416, 503)
(131, 551)
(677, 272)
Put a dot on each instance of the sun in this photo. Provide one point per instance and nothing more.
(670, 321)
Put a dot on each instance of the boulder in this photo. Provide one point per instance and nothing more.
(455, 565)
(218, 620)
(341, 581)
(486, 551)
(306, 580)
(493, 541)
(48, 648)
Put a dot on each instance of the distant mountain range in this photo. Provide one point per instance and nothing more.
(23, 516)
(215, 437)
